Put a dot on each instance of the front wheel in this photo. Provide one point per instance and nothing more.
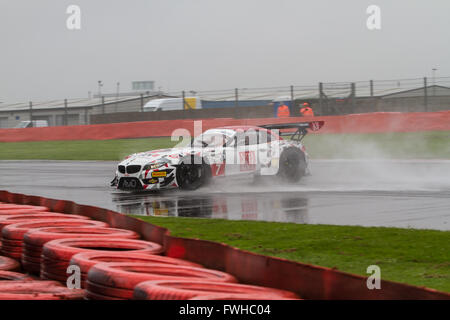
(292, 165)
(193, 174)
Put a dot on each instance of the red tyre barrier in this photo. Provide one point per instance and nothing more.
(310, 281)
(40, 236)
(16, 255)
(37, 290)
(64, 249)
(13, 276)
(6, 247)
(112, 292)
(17, 231)
(118, 279)
(36, 238)
(95, 296)
(15, 212)
(53, 276)
(8, 264)
(7, 220)
(31, 259)
(56, 254)
(13, 206)
(87, 260)
(12, 234)
(31, 267)
(12, 243)
(188, 289)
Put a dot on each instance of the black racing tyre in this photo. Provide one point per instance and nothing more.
(192, 173)
(292, 165)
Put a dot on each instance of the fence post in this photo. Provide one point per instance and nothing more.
(183, 95)
(320, 98)
(353, 86)
(425, 94)
(293, 111)
(31, 113)
(65, 112)
(236, 102)
(142, 102)
(371, 88)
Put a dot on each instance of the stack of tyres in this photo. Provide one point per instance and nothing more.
(13, 234)
(56, 254)
(11, 209)
(11, 219)
(13, 247)
(116, 280)
(186, 289)
(37, 290)
(8, 264)
(13, 276)
(35, 239)
(86, 260)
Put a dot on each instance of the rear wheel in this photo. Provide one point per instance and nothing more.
(292, 165)
(193, 174)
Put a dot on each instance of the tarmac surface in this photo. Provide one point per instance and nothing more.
(394, 193)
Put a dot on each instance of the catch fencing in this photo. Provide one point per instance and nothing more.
(353, 123)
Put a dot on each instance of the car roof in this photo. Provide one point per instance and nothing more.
(248, 127)
(245, 128)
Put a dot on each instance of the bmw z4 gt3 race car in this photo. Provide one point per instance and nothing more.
(224, 151)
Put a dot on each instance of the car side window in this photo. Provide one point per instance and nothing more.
(246, 138)
(251, 137)
(264, 137)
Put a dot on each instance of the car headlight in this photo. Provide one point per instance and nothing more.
(157, 165)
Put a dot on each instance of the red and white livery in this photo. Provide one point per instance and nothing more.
(224, 151)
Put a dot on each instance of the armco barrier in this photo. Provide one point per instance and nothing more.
(309, 281)
(354, 123)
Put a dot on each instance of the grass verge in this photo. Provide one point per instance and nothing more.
(417, 257)
(385, 145)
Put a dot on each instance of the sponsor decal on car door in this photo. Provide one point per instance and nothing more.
(247, 160)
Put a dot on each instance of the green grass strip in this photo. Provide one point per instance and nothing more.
(417, 257)
(387, 145)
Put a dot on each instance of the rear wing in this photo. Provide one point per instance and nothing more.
(301, 127)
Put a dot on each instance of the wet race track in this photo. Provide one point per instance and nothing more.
(399, 193)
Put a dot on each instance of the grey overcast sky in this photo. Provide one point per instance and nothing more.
(214, 44)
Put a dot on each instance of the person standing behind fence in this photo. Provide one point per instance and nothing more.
(283, 111)
(306, 110)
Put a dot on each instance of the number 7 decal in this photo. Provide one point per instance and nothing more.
(218, 169)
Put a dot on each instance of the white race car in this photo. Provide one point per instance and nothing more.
(224, 151)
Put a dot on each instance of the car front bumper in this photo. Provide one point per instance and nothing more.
(147, 180)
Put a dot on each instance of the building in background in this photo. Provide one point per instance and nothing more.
(325, 99)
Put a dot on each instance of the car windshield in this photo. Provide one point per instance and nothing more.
(23, 124)
(210, 140)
